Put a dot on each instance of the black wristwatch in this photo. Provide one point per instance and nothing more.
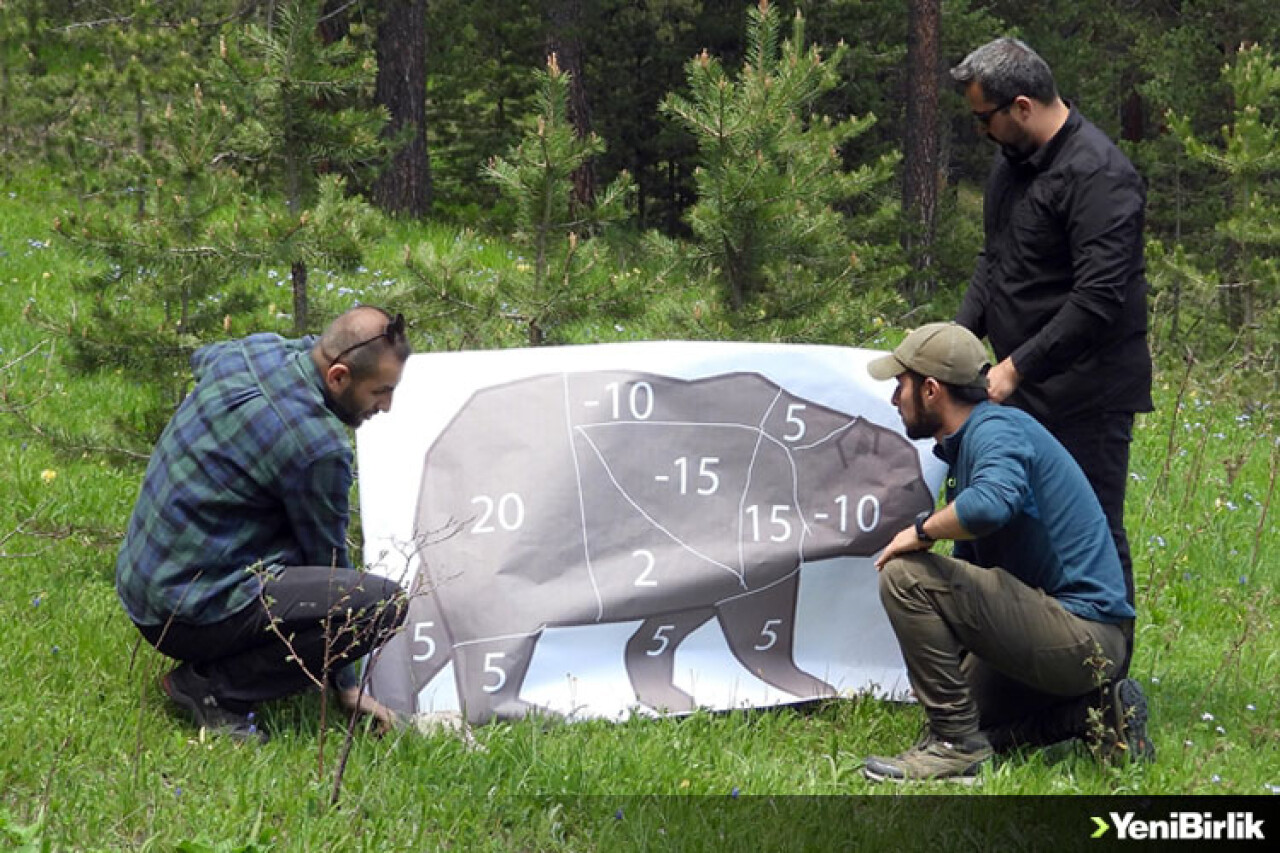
(920, 520)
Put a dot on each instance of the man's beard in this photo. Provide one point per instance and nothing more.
(926, 424)
(344, 407)
(1018, 151)
(1014, 154)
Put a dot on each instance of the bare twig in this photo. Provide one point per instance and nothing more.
(142, 689)
(19, 411)
(1158, 488)
(20, 528)
(1266, 505)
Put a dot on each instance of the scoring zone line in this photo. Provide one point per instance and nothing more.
(761, 435)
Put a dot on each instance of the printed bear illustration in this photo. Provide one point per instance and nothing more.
(619, 496)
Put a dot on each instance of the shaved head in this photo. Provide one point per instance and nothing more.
(360, 337)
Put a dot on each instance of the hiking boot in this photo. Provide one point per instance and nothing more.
(933, 759)
(1128, 713)
(191, 693)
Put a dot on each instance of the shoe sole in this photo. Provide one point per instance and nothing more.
(899, 780)
(1131, 719)
(190, 705)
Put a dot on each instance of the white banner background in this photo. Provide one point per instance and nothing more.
(841, 634)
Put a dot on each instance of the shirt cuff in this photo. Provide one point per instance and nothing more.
(348, 677)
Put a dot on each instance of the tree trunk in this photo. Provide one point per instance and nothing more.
(300, 309)
(564, 39)
(1132, 112)
(920, 141)
(404, 187)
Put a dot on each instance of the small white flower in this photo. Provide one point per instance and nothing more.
(1221, 730)
(1206, 716)
(1155, 679)
(1215, 778)
(1187, 743)
(1251, 707)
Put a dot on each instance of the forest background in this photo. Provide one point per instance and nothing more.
(180, 172)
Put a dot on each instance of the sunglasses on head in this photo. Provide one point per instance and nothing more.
(393, 332)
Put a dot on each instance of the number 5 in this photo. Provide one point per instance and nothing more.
(771, 636)
(491, 668)
(421, 636)
(794, 419)
(663, 640)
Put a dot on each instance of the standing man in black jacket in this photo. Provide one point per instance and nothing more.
(1059, 289)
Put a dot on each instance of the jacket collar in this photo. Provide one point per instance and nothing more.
(1042, 158)
(948, 448)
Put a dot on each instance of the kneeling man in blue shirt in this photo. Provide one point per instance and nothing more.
(1025, 622)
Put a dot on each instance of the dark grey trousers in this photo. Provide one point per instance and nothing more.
(330, 617)
(984, 651)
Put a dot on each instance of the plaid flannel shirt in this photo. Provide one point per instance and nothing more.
(253, 471)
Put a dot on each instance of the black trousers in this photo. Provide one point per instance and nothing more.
(1100, 445)
(330, 617)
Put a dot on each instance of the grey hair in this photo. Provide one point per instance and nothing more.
(1006, 68)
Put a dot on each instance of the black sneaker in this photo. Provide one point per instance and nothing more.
(188, 691)
(1129, 719)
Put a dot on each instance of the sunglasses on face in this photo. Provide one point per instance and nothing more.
(984, 117)
(393, 332)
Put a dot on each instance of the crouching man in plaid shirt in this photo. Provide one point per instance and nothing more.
(235, 563)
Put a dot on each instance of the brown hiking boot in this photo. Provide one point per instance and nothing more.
(1128, 720)
(933, 759)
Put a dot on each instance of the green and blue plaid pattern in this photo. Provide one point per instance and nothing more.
(253, 470)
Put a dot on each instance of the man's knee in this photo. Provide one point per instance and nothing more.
(903, 576)
(906, 571)
(385, 604)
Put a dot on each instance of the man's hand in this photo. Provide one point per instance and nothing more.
(1002, 380)
(904, 543)
(353, 699)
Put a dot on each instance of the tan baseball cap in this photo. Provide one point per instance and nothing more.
(946, 351)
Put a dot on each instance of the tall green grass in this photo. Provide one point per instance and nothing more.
(92, 757)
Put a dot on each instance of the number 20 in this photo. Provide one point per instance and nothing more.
(508, 511)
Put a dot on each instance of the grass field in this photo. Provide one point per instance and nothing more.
(91, 757)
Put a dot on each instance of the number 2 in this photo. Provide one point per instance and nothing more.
(644, 579)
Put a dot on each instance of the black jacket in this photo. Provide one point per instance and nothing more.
(1060, 283)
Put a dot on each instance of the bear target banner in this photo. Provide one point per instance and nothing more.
(648, 528)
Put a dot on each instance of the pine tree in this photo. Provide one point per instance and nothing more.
(303, 118)
(535, 177)
(1245, 272)
(765, 224)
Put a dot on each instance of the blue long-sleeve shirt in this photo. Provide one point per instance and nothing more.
(1033, 512)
